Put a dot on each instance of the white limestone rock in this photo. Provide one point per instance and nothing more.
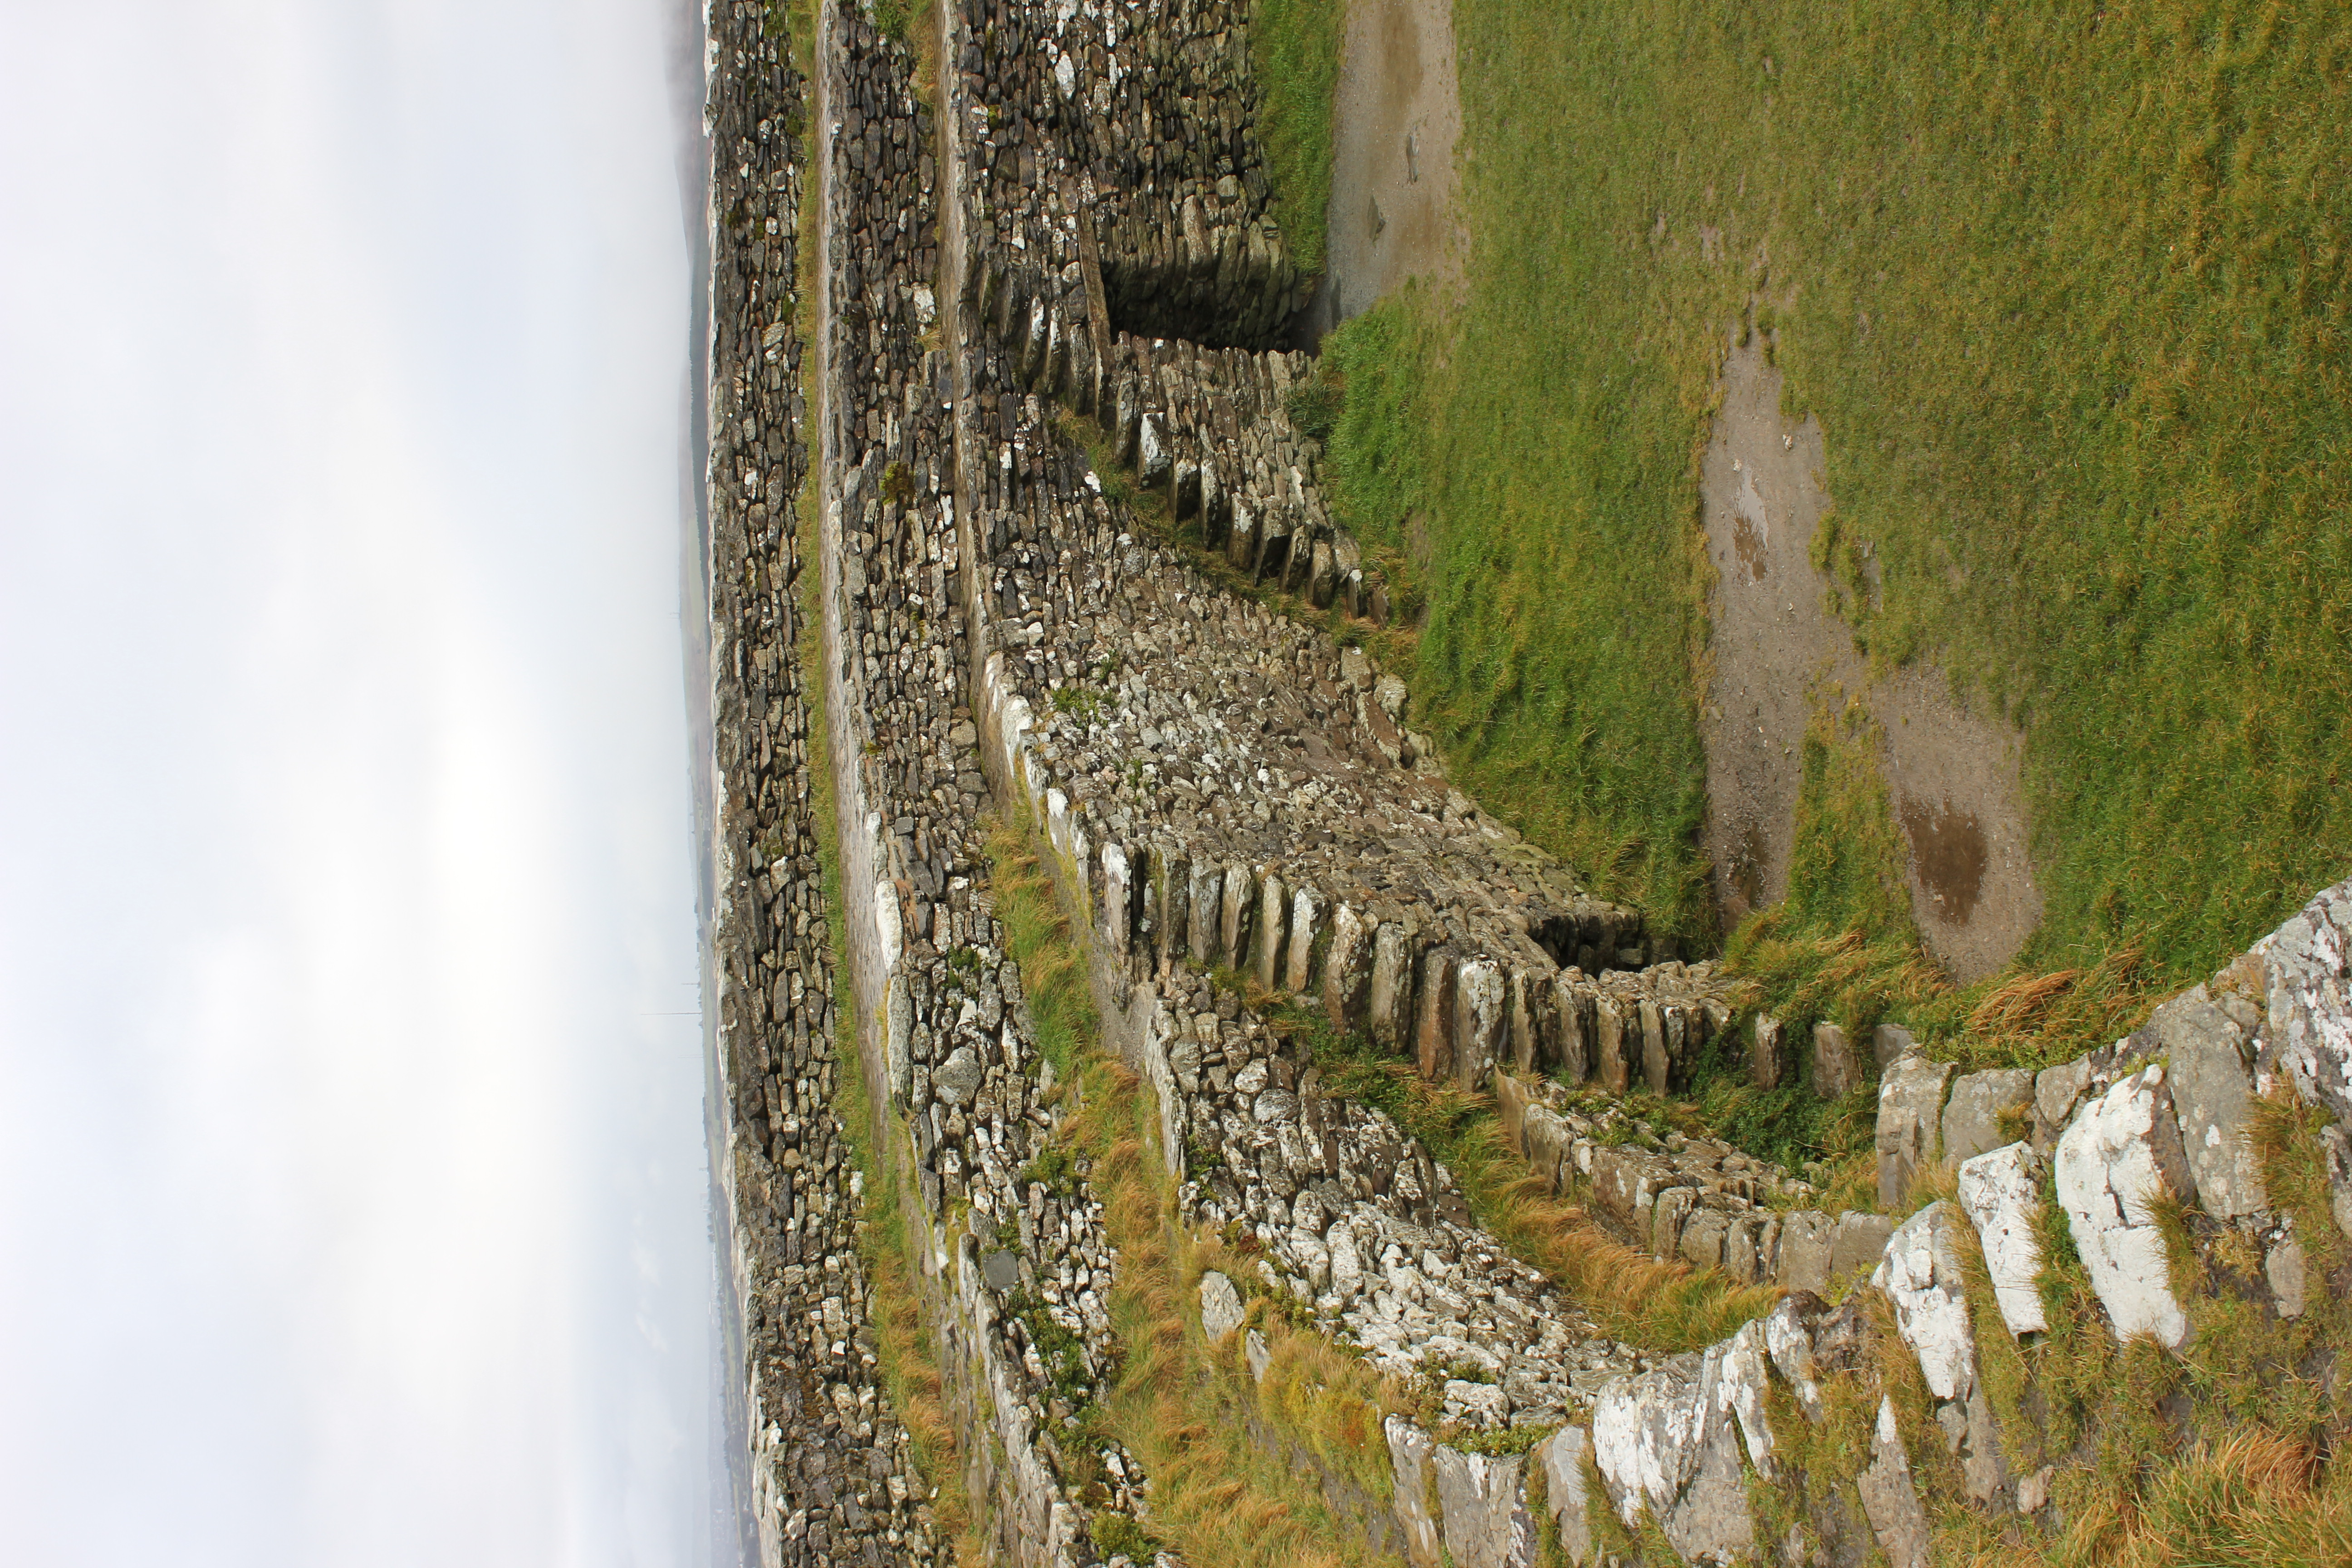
(1410, 1451)
(2121, 1153)
(2307, 969)
(2003, 1194)
(1661, 1442)
(1921, 1276)
(1561, 1455)
(1485, 1518)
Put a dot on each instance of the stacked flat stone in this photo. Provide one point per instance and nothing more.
(831, 1478)
(1210, 430)
(1020, 1260)
(1134, 124)
(1354, 1218)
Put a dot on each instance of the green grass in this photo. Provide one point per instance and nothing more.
(1295, 50)
(2067, 290)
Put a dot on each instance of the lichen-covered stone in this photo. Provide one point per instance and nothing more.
(2306, 971)
(1910, 1106)
(2210, 1075)
(2121, 1153)
(1665, 1442)
(1974, 1113)
(2003, 1194)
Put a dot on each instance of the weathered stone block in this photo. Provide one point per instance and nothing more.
(2212, 1081)
(2001, 1192)
(1546, 1139)
(2121, 1153)
(1808, 1238)
(2307, 969)
(1889, 1043)
(1701, 1242)
(1972, 1117)
(1432, 1035)
(1836, 1072)
(1921, 1276)
(1767, 1056)
(1613, 1066)
(1561, 1455)
(1348, 969)
(1411, 1455)
(1860, 1241)
(1391, 985)
(1664, 1441)
(1910, 1103)
(1890, 1499)
(1486, 1522)
(1479, 1001)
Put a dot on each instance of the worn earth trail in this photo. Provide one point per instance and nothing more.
(1779, 657)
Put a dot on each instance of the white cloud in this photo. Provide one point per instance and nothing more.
(350, 1186)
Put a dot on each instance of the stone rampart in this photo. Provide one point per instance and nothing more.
(830, 1474)
(1019, 1268)
(1227, 790)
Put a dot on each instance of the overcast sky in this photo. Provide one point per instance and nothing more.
(351, 1186)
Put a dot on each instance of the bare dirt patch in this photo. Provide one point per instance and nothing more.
(1952, 774)
(1395, 124)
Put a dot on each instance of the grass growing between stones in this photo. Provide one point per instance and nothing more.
(1629, 1295)
(1842, 948)
(1220, 1493)
(2229, 1450)
(1295, 48)
(2067, 290)
(1390, 647)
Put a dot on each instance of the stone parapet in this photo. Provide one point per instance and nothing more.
(1019, 1266)
(830, 1474)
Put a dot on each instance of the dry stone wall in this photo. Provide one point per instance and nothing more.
(830, 1476)
(1020, 1266)
(1227, 791)
(1118, 138)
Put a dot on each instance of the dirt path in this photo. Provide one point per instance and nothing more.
(1393, 132)
(1953, 775)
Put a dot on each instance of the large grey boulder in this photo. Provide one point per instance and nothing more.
(1561, 1455)
(2212, 1080)
(2307, 977)
(1979, 1100)
(2003, 1194)
(1664, 1441)
(1487, 1523)
(1890, 1499)
(2121, 1153)
(1910, 1105)
(1411, 1452)
(1921, 1276)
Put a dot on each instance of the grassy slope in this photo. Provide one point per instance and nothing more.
(1295, 48)
(2067, 293)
